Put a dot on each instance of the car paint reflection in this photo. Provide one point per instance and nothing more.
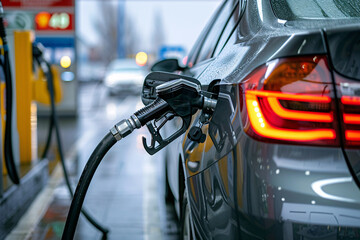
(317, 187)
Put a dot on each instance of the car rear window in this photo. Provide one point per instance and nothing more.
(315, 9)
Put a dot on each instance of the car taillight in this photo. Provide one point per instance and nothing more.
(349, 91)
(291, 100)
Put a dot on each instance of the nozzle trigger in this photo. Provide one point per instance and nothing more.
(157, 142)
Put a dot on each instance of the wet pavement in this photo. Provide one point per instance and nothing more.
(126, 193)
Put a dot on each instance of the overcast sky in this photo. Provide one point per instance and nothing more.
(182, 20)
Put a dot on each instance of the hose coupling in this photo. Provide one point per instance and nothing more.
(209, 104)
(125, 127)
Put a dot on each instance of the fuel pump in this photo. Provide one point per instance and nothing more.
(166, 96)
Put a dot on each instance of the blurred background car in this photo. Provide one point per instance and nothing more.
(124, 75)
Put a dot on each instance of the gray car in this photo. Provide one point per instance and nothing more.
(124, 76)
(280, 158)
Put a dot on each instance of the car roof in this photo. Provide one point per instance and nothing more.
(261, 11)
(259, 19)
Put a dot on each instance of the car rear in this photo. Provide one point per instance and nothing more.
(299, 128)
(300, 115)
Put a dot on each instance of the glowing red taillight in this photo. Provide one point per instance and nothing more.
(291, 100)
(350, 106)
(351, 118)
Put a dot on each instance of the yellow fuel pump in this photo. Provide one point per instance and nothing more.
(21, 86)
(30, 87)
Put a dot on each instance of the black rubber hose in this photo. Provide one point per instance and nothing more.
(9, 154)
(37, 57)
(98, 154)
(48, 140)
(55, 124)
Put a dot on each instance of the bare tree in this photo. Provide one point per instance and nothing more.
(107, 27)
(158, 37)
(117, 31)
(130, 37)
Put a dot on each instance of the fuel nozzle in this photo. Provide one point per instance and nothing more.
(178, 97)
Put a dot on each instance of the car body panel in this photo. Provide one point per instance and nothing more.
(268, 205)
(173, 161)
(320, 183)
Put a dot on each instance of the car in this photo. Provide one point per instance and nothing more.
(124, 76)
(281, 154)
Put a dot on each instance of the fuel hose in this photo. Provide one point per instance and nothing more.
(9, 154)
(48, 140)
(46, 67)
(102, 148)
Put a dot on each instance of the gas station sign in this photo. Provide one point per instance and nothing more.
(62, 21)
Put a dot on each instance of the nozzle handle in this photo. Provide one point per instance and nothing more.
(152, 111)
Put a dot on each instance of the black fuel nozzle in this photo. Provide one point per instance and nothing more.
(178, 97)
(37, 50)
